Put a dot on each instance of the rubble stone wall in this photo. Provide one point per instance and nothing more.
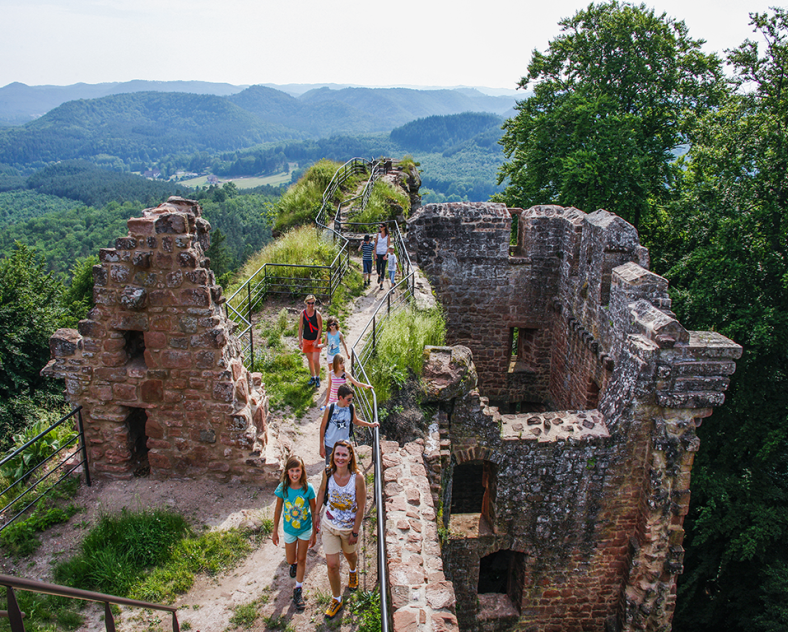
(585, 500)
(158, 340)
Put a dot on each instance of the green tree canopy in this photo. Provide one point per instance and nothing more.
(724, 247)
(614, 95)
(30, 311)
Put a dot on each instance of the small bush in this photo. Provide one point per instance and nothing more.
(20, 539)
(149, 555)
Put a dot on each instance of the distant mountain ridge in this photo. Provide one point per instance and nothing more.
(20, 103)
(144, 127)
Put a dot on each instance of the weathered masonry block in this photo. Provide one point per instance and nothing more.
(155, 364)
(564, 475)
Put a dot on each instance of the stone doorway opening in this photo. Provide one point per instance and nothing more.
(138, 441)
(500, 587)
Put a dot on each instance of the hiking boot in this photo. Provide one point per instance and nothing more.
(293, 569)
(352, 580)
(311, 381)
(298, 599)
(317, 382)
(333, 609)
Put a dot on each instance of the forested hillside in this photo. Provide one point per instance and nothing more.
(135, 130)
(82, 181)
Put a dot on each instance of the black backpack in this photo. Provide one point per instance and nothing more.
(331, 417)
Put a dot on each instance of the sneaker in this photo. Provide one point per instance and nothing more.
(298, 599)
(317, 382)
(352, 580)
(333, 609)
(311, 381)
(293, 569)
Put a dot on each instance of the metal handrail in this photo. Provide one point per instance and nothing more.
(82, 448)
(15, 614)
(241, 313)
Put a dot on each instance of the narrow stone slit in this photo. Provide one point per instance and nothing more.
(135, 346)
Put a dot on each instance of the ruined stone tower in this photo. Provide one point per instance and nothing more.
(155, 365)
(564, 477)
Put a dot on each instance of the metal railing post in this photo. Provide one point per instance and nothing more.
(251, 328)
(14, 613)
(109, 620)
(83, 446)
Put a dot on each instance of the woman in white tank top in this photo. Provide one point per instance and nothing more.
(347, 495)
(381, 249)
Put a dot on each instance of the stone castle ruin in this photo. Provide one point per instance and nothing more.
(563, 470)
(556, 471)
(155, 365)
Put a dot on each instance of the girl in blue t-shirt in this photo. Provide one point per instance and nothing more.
(297, 497)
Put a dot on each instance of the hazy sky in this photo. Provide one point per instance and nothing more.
(429, 42)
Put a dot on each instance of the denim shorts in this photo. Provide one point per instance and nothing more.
(304, 535)
(367, 266)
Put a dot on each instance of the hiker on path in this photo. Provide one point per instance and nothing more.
(381, 249)
(334, 338)
(345, 502)
(310, 331)
(336, 378)
(393, 265)
(297, 497)
(366, 247)
(338, 422)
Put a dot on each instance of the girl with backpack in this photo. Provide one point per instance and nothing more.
(310, 331)
(297, 497)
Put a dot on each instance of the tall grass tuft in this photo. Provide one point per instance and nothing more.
(300, 247)
(385, 203)
(150, 555)
(300, 204)
(400, 347)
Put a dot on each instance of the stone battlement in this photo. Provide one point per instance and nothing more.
(564, 473)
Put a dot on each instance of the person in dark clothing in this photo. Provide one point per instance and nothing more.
(310, 333)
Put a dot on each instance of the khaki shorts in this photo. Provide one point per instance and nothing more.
(336, 540)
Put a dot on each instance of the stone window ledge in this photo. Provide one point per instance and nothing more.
(520, 366)
(496, 606)
(471, 525)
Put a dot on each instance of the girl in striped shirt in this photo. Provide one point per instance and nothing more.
(336, 378)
